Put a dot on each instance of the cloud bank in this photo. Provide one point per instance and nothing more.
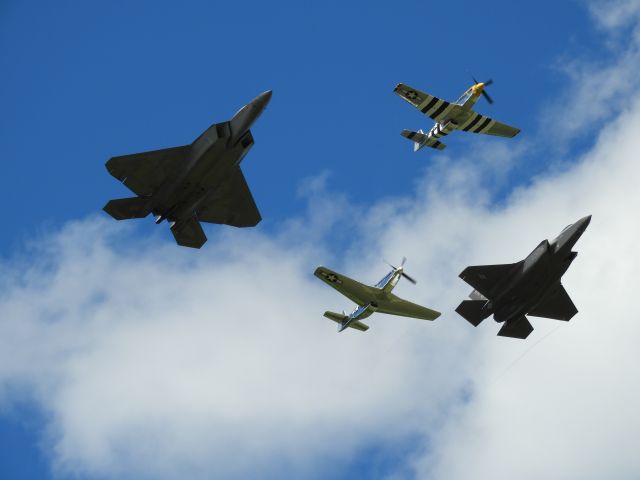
(150, 361)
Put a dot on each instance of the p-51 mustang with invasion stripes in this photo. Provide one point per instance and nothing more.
(451, 116)
(372, 299)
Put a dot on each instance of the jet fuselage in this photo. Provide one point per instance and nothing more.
(210, 160)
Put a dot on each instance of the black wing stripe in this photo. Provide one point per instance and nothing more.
(473, 122)
(430, 105)
(440, 110)
(482, 125)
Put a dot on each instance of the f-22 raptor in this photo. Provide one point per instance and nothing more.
(532, 286)
(200, 182)
(372, 299)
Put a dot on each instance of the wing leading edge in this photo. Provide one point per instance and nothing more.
(433, 107)
(484, 278)
(478, 123)
(143, 173)
(395, 305)
(353, 290)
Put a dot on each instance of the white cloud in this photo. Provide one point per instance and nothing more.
(161, 362)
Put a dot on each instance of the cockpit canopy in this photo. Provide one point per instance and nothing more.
(464, 97)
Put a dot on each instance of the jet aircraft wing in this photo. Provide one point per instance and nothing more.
(478, 123)
(434, 107)
(484, 278)
(556, 305)
(395, 305)
(232, 205)
(353, 290)
(144, 172)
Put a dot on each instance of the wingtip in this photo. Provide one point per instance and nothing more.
(318, 269)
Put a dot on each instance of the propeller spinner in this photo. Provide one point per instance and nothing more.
(481, 86)
(401, 270)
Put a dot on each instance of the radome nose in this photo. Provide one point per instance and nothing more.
(585, 221)
(263, 99)
(248, 114)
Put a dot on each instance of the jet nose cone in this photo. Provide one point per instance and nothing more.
(244, 118)
(584, 222)
(263, 99)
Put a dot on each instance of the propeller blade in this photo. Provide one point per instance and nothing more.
(475, 82)
(389, 263)
(487, 97)
(488, 82)
(409, 278)
(404, 259)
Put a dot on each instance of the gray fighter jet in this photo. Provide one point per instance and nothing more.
(372, 299)
(532, 286)
(200, 182)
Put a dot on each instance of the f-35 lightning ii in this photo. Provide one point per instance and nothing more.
(372, 299)
(532, 286)
(200, 182)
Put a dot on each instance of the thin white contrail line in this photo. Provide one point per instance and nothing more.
(513, 364)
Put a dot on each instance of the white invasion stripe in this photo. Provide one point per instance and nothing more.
(469, 120)
(435, 107)
(445, 112)
(489, 125)
(424, 104)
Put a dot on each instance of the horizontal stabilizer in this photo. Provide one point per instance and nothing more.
(519, 328)
(472, 312)
(341, 318)
(420, 140)
(125, 208)
(189, 233)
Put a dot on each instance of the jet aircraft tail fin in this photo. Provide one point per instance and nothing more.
(520, 328)
(341, 318)
(189, 233)
(472, 311)
(421, 140)
(125, 208)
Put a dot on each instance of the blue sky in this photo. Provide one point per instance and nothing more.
(84, 81)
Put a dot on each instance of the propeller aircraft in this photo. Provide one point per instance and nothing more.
(372, 299)
(451, 116)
